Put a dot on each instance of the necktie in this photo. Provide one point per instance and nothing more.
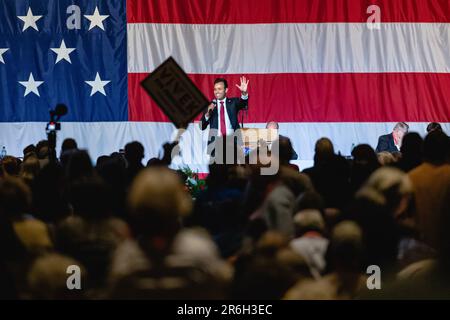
(223, 128)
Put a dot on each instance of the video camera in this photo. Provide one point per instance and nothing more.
(52, 126)
(55, 115)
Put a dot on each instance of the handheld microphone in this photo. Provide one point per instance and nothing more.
(214, 102)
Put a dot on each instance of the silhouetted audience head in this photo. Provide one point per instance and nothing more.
(264, 274)
(346, 250)
(324, 150)
(79, 165)
(412, 151)
(68, 144)
(434, 126)
(68, 147)
(412, 144)
(308, 220)
(112, 170)
(218, 175)
(134, 153)
(386, 158)
(29, 149)
(101, 161)
(436, 147)
(154, 162)
(286, 150)
(42, 149)
(157, 201)
(10, 166)
(91, 198)
(15, 197)
(365, 161)
(364, 154)
(309, 200)
(48, 278)
(379, 205)
(49, 202)
(196, 246)
(30, 169)
(120, 158)
(297, 182)
(391, 187)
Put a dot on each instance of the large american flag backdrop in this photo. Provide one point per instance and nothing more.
(315, 66)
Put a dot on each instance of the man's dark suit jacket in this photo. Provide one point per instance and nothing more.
(233, 106)
(386, 143)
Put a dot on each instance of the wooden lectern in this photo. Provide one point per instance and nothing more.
(252, 137)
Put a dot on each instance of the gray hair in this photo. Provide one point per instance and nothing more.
(309, 218)
(385, 158)
(386, 186)
(47, 277)
(347, 232)
(402, 126)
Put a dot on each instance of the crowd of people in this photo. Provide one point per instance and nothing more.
(136, 232)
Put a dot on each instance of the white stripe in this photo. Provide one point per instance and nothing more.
(103, 138)
(291, 48)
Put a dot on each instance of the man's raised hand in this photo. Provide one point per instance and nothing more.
(244, 85)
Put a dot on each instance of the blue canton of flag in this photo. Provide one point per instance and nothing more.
(63, 51)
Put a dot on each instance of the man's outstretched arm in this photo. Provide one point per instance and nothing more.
(243, 101)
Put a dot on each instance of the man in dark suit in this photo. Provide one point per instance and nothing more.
(393, 141)
(276, 126)
(222, 114)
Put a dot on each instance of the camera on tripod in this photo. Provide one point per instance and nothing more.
(55, 115)
(52, 126)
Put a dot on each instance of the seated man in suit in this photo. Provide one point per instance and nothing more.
(393, 141)
(275, 125)
(222, 113)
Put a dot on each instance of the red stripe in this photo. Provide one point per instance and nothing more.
(287, 11)
(323, 97)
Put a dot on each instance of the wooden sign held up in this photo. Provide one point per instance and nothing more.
(175, 93)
